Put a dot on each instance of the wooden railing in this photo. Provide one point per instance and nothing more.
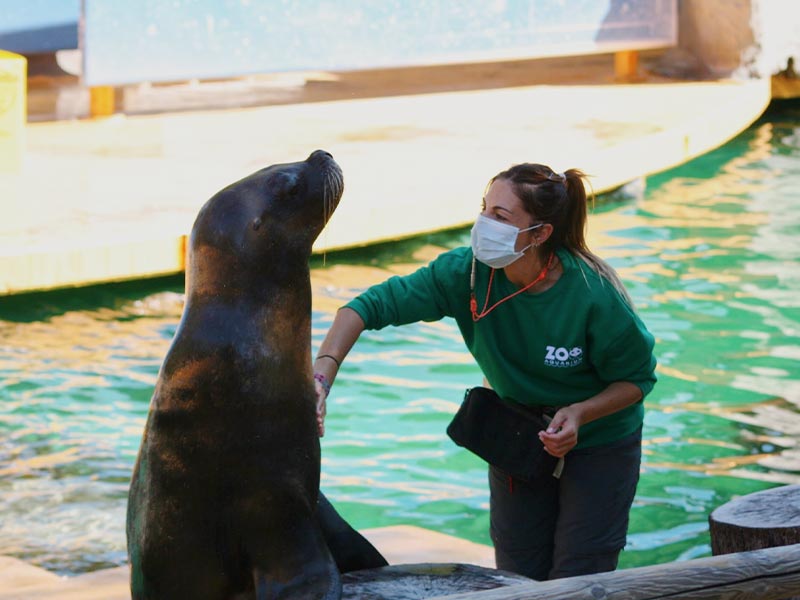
(768, 574)
(757, 557)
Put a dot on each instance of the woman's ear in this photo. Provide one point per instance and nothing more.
(541, 234)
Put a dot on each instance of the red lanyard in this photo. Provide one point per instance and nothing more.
(473, 303)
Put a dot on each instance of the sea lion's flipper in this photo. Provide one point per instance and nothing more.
(301, 569)
(351, 550)
(301, 588)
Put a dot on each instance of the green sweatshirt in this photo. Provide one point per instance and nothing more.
(554, 348)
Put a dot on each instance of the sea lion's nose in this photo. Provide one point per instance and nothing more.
(318, 154)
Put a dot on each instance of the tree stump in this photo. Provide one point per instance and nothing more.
(423, 580)
(762, 520)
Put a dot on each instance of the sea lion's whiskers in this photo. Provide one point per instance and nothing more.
(332, 189)
(325, 215)
(328, 192)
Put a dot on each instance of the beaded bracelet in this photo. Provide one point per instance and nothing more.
(323, 381)
(333, 358)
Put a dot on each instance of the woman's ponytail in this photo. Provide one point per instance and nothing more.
(575, 211)
(575, 230)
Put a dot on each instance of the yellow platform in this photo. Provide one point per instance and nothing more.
(109, 199)
(13, 110)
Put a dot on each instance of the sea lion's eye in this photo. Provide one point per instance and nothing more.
(293, 188)
(289, 184)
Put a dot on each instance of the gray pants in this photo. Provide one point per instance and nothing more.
(575, 525)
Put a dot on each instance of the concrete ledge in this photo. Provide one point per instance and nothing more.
(17, 575)
(89, 262)
(111, 199)
(403, 544)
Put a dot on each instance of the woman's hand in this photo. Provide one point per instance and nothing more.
(347, 326)
(561, 434)
(322, 406)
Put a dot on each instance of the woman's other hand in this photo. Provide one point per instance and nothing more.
(561, 434)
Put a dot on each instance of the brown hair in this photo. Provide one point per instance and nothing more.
(560, 199)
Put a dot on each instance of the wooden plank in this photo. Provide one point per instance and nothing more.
(769, 574)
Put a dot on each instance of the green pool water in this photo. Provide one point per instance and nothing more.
(709, 252)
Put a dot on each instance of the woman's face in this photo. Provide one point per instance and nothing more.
(501, 204)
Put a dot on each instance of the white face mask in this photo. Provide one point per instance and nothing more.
(494, 243)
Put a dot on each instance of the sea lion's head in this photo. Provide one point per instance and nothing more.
(267, 220)
(300, 197)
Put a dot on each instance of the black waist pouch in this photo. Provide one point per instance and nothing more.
(504, 434)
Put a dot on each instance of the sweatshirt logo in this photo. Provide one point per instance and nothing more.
(563, 357)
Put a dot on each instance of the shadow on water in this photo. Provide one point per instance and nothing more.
(708, 251)
(40, 306)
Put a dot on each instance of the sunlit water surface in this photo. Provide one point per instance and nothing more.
(709, 252)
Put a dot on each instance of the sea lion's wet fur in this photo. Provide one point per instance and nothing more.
(223, 496)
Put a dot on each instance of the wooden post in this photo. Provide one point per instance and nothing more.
(626, 65)
(761, 520)
(101, 101)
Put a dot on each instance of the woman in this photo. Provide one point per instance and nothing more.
(549, 324)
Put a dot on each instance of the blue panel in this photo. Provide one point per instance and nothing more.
(153, 40)
(38, 26)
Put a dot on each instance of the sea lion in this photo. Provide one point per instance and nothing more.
(224, 494)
